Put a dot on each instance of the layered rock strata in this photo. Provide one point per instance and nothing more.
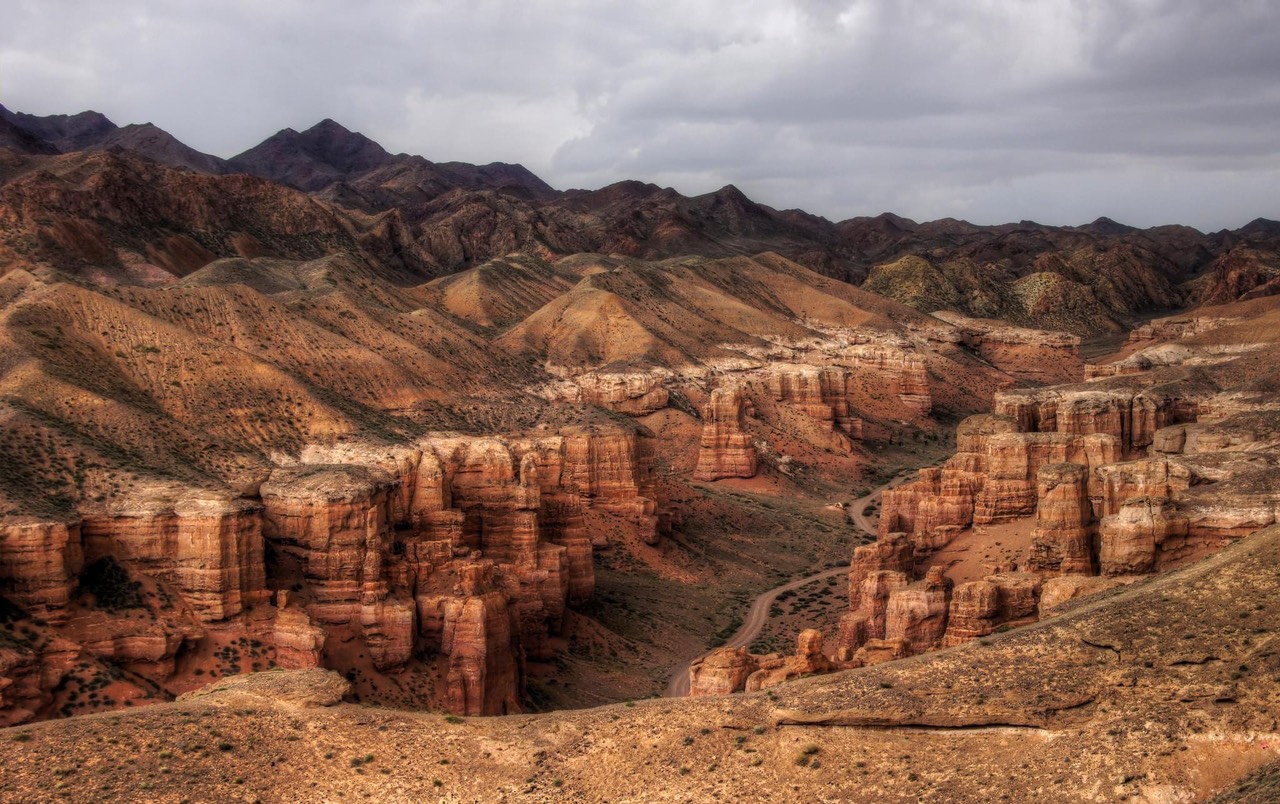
(1062, 541)
(468, 549)
(728, 670)
(821, 394)
(205, 544)
(725, 449)
(40, 562)
(992, 477)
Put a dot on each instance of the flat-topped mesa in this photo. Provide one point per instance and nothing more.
(820, 393)
(939, 503)
(1013, 461)
(40, 563)
(1178, 327)
(1165, 354)
(1062, 541)
(206, 544)
(1223, 489)
(726, 449)
(479, 635)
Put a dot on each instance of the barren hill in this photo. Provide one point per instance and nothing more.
(426, 219)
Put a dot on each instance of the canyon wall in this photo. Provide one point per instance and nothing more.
(1143, 474)
(469, 549)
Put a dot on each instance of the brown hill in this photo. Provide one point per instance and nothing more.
(91, 131)
(424, 218)
(115, 217)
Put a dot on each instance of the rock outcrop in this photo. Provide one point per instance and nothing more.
(728, 670)
(466, 548)
(917, 614)
(991, 478)
(1135, 539)
(40, 562)
(867, 622)
(821, 394)
(725, 449)
(1034, 354)
(1062, 541)
(893, 553)
(721, 672)
(206, 544)
(632, 393)
(480, 638)
(808, 660)
(912, 378)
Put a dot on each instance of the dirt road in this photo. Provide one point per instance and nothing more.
(758, 614)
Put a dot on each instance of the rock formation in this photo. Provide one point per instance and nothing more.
(726, 449)
(721, 672)
(40, 562)
(1133, 539)
(469, 547)
(917, 614)
(867, 622)
(206, 544)
(1062, 541)
(808, 660)
(479, 636)
(632, 393)
(821, 394)
(728, 670)
(991, 478)
(890, 553)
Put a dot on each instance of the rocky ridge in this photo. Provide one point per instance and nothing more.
(426, 219)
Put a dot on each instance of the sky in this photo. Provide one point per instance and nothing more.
(1059, 111)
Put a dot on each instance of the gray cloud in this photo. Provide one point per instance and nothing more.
(1149, 111)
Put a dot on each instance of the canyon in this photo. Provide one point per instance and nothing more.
(338, 438)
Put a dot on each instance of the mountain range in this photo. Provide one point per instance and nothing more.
(421, 219)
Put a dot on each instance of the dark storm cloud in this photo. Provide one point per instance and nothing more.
(1148, 111)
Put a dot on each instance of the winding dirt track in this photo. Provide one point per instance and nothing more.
(758, 614)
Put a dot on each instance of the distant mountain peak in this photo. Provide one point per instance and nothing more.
(1106, 226)
(313, 159)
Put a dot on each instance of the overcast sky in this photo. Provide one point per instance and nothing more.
(1147, 111)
